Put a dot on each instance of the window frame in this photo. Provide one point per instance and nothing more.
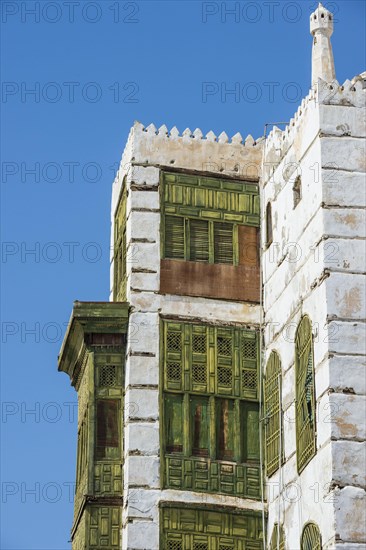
(243, 405)
(212, 241)
(312, 532)
(102, 451)
(297, 191)
(305, 394)
(269, 225)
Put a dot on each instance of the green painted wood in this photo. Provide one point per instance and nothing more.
(104, 527)
(224, 243)
(211, 198)
(184, 528)
(175, 237)
(250, 431)
(93, 355)
(199, 250)
(210, 360)
(200, 217)
(311, 537)
(120, 249)
(277, 541)
(174, 423)
(305, 394)
(210, 408)
(199, 240)
(272, 413)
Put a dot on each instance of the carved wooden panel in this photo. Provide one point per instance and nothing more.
(104, 527)
(213, 476)
(107, 479)
(207, 359)
(211, 198)
(205, 529)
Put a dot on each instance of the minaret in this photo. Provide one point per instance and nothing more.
(322, 63)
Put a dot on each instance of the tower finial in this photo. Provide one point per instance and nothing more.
(321, 27)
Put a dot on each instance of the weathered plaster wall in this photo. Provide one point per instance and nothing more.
(343, 148)
(315, 266)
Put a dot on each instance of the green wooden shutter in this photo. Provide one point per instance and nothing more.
(173, 356)
(174, 423)
(223, 243)
(224, 361)
(272, 399)
(269, 228)
(174, 238)
(311, 537)
(120, 244)
(199, 359)
(107, 429)
(305, 394)
(249, 366)
(250, 431)
(199, 240)
(200, 425)
(82, 449)
(278, 538)
(225, 429)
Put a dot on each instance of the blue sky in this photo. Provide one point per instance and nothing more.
(95, 67)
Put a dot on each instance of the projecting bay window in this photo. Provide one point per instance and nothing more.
(210, 408)
(209, 237)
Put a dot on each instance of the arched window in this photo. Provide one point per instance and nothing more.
(296, 190)
(269, 231)
(277, 541)
(305, 394)
(311, 538)
(273, 413)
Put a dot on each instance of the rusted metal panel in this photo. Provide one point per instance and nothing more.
(248, 246)
(210, 280)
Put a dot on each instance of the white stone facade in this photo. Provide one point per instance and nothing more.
(316, 266)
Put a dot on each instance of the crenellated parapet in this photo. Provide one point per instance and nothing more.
(149, 147)
(197, 134)
(352, 93)
(307, 120)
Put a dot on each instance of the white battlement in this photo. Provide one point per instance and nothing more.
(352, 93)
(150, 148)
(197, 134)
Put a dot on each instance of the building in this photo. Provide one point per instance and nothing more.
(221, 390)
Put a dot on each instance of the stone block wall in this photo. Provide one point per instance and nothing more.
(316, 266)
